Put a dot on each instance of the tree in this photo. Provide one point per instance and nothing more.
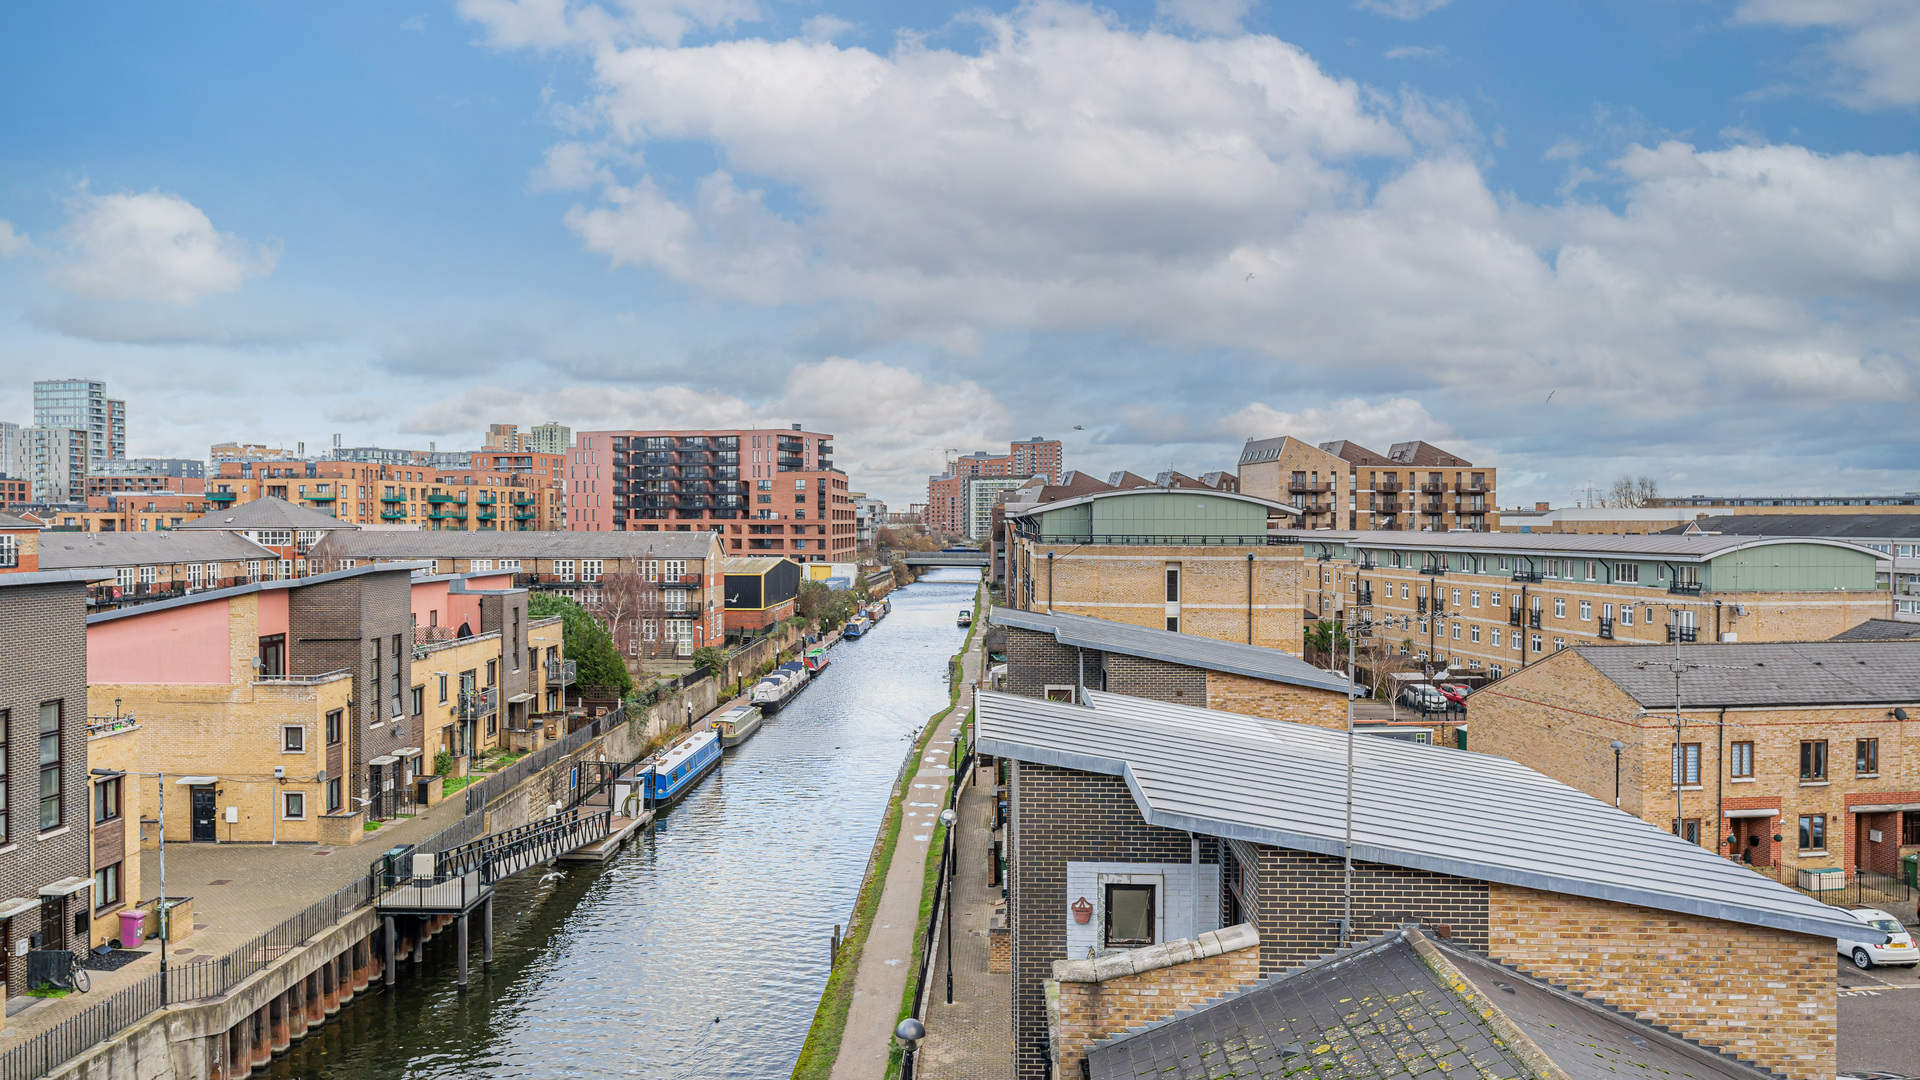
(1328, 637)
(712, 658)
(902, 576)
(824, 608)
(586, 643)
(1628, 492)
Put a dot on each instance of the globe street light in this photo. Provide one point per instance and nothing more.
(910, 1031)
(1617, 747)
(947, 818)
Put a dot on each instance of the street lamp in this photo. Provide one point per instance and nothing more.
(1617, 747)
(947, 818)
(159, 909)
(910, 1031)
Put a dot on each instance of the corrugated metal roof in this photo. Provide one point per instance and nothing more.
(1146, 489)
(1764, 673)
(515, 544)
(750, 564)
(1202, 652)
(267, 512)
(1845, 526)
(1429, 808)
(64, 549)
(1879, 630)
(1671, 547)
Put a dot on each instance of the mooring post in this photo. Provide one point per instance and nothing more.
(393, 943)
(486, 931)
(460, 944)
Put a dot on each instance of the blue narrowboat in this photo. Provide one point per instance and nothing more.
(856, 626)
(675, 772)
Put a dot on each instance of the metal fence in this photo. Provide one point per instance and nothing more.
(76, 1035)
(212, 978)
(1867, 888)
(482, 792)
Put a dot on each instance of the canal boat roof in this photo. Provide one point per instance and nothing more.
(677, 756)
(1105, 635)
(1428, 808)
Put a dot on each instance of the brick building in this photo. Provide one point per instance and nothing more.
(768, 491)
(488, 491)
(288, 530)
(116, 811)
(1795, 740)
(486, 673)
(957, 505)
(144, 567)
(46, 872)
(1341, 484)
(760, 594)
(1199, 562)
(1896, 536)
(1490, 604)
(15, 491)
(19, 545)
(1135, 824)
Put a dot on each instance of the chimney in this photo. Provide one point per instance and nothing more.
(1541, 507)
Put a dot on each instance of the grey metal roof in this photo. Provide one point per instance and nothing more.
(138, 610)
(1844, 526)
(1016, 510)
(1384, 1013)
(1764, 673)
(267, 512)
(513, 544)
(8, 521)
(1429, 808)
(750, 564)
(1669, 547)
(57, 577)
(1108, 636)
(1880, 630)
(65, 549)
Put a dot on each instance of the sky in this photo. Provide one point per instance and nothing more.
(1569, 238)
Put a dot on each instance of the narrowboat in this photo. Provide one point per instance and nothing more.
(966, 617)
(856, 626)
(816, 659)
(736, 725)
(779, 686)
(671, 775)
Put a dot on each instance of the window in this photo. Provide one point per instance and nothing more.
(1626, 614)
(419, 700)
(1473, 633)
(1059, 693)
(333, 795)
(1173, 623)
(1866, 756)
(443, 688)
(193, 575)
(1494, 637)
(509, 564)
(493, 672)
(479, 565)
(106, 800)
(1686, 764)
(1173, 584)
(293, 805)
(273, 656)
(1537, 647)
(1129, 921)
(1456, 598)
(333, 727)
(1741, 760)
(1456, 631)
(1493, 599)
(1559, 643)
(590, 569)
(1586, 611)
(1559, 607)
(563, 569)
(124, 576)
(1688, 829)
(1473, 598)
(1813, 832)
(1813, 761)
(293, 739)
(50, 809)
(676, 569)
(106, 886)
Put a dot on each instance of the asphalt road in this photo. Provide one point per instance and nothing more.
(1877, 1012)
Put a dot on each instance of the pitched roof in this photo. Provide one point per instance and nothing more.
(1425, 807)
(1425, 453)
(750, 564)
(1404, 1006)
(514, 544)
(138, 610)
(8, 521)
(1764, 673)
(1124, 479)
(1665, 546)
(1175, 648)
(267, 512)
(1863, 526)
(59, 550)
(1021, 509)
(1174, 478)
(1880, 630)
(1348, 450)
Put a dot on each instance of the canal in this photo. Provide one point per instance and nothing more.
(702, 949)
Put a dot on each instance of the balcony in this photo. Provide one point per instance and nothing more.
(393, 513)
(563, 673)
(460, 500)
(447, 515)
(1683, 633)
(791, 446)
(222, 497)
(1436, 571)
(1474, 487)
(486, 498)
(792, 461)
(684, 581)
(1434, 508)
(1433, 487)
(1606, 628)
(1684, 588)
(1420, 606)
(1388, 486)
(1513, 617)
(391, 497)
(319, 496)
(1525, 577)
(1308, 486)
(475, 704)
(523, 500)
(1387, 506)
(487, 514)
(523, 515)
(1533, 618)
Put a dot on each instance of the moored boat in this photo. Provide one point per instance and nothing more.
(816, 659)
(966, 617)
(779, 686)
(856, 626)
(736, 725)
(668, 777)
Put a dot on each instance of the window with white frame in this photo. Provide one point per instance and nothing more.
(148, 574)
(273, 537)
(1586, 610)
(479, 565)
(1593, 571)
(650, 569)
(1559, 643)
(647, 629)
(590, 569)
(286, 568)
(124, 576)
(676, 599)
(9, 550)
(1494, 637)
(1559, 607)
(1626, 614)
(295, 803)
(1473, 633)
(509, 564)
(1473, 598)
(676, 569)
(563, 569)
(193, 575)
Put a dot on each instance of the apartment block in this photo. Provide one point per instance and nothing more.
(83, 404)
(19, 545)
(1788, 757)
(140, 568)
(1341, 484)
(13, 450)
(46, 873)
(1199, 562)
(57, 462)
(520, 492)
(958, 506)
(1489, 604)
(485, 672)
(15, 493)
(767, 491)
(116, 810)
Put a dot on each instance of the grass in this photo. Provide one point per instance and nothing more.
(370, 826)
(452, 784)
(822, 1047)
(45, 990)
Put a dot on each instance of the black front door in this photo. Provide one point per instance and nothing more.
(205, 813)
(53, 923)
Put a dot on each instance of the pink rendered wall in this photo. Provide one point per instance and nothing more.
(273, 611)
(181, 645)
(429, 596)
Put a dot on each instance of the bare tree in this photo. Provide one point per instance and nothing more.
(623, 602)
(1646, 490)
(1628, 492)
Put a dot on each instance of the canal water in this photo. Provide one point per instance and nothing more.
(702, 949)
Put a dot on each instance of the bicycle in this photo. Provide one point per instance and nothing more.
(77, 977)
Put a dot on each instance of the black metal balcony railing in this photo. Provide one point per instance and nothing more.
(1606, 628)
(1387, 506)
(792, 461)
(1513, 617)
(1436, 571)
(1527, 576)
(1683, 633)
(1433, 487)
(1533, 618)
(1388, 486)
(1420, 606)
(1308, 486)
(1366, 598)
(1684, 588)
(1434, 508)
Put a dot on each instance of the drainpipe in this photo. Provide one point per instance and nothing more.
(1049, 582)
(1249, 597)
(1080, 655)
(1720, 767)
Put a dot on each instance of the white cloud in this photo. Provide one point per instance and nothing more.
(417, 24)
(1400, 418)
(1416, 52)
(824, 27)
(12, 244)
(1401, 9)
(553, 24)
(889, 423)
(1872, 44)
(152, 246)
(1206, 16)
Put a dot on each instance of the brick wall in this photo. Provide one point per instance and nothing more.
(1766, 996)
(1128, 584)
(1248, 696)
(1138, 676)
(334, 625)
(1088, 1011)
(1036, 661)
(1061, 816)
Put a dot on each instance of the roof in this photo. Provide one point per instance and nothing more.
(514, 544)
(1175, 648)
(1125, 479)
(8, 521)
(1399, 1007)
(751, 564)
(138, 610)
(77, 575)
(1348, 450)
(1423, 807)
(72, 549)
(267, 512)
(1739, 674)
(1023, 509)
(1880, 630)
(1864, 526)
(1425, 453)
(1670, 547)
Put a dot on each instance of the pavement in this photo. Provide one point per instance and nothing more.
(1877, 1007)
(971, 1039)
(887, 961)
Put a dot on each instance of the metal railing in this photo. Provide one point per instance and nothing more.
(304, 680)
(74, 1036)
(1864, 888)
(483, 791)
(1684, 588)
(563, 673)
(1683, 633)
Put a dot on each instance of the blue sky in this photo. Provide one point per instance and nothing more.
(1176, 225)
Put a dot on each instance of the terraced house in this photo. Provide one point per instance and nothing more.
(1497, 602)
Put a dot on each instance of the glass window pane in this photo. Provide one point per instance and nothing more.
(1129, 914)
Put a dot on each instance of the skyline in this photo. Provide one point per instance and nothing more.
(1687, 249)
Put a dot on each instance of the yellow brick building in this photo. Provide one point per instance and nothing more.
(115, 811)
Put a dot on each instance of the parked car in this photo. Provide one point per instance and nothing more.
(1899, 950)
(1454, 692)
(1422, 697)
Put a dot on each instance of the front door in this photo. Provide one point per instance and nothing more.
(205, 814)
(53, 923)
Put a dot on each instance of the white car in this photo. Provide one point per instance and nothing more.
(1898, 950)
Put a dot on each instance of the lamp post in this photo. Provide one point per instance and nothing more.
(910, 1031)
(947, 818)
(1617, 747)
(159, 909)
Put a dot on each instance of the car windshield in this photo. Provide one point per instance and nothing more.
(1888, 925)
